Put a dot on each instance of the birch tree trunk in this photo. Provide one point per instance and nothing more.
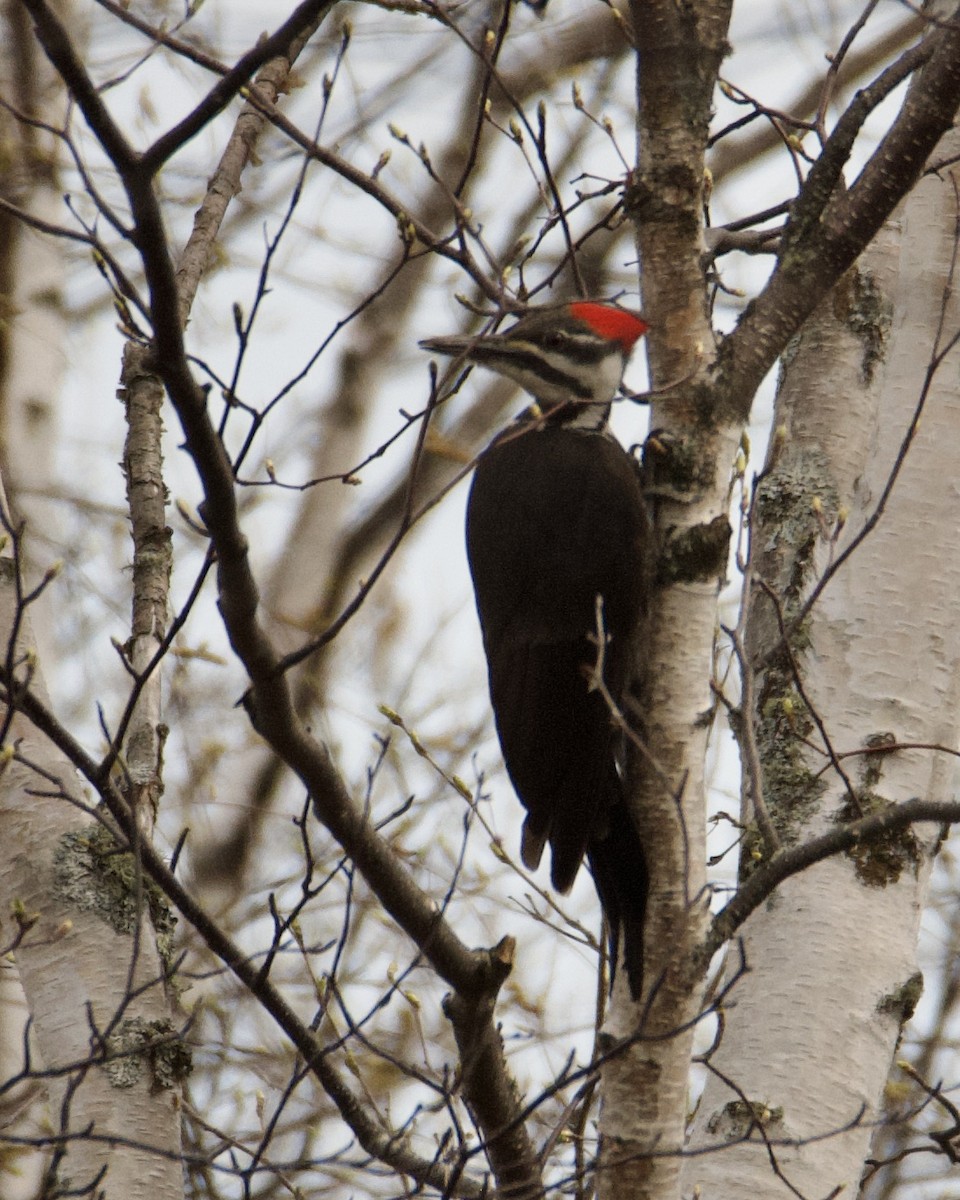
(84, 933)
(87, 956)
(645, 1081)
(849, 717)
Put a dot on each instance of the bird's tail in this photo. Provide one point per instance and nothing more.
(620, 875)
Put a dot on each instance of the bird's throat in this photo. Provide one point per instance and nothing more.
(572, 414)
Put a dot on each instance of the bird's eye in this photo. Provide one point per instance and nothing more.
(555, 339)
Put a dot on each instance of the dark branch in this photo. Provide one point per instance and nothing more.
(766, 878)
(830, 227)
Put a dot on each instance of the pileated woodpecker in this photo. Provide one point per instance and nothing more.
(555, 519)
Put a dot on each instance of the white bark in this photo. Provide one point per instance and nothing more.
(142, 392)
(80, 960)
(645, 1088)
(36, 356)
(32, 362)
(811, 1030)
(645, 1107)
(32, 274)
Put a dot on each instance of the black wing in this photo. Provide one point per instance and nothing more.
(555, 518)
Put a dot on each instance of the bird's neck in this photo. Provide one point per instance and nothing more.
(573, 415)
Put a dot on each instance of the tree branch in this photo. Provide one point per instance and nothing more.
(368, 1130)
(766, 878)
(830, 227)
(475, 975)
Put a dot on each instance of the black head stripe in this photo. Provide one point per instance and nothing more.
(535, 365)
(584, 350)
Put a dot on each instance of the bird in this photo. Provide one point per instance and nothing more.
(557, 532)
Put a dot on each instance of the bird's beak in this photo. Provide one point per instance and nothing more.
(451, 346)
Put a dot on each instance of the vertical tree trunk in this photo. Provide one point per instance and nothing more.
(88, 959)
(809, 1033)
(645, 1082)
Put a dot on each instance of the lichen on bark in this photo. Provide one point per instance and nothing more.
(902, 1002)
(861, 304)
(136, 1046)
(92, 871)
(883, 859)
